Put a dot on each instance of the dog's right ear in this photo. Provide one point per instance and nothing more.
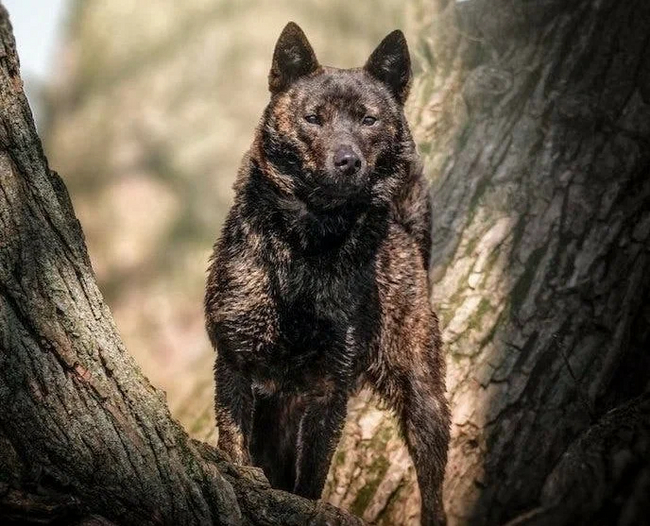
(293, 58)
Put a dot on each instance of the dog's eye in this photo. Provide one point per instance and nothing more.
(312, 118)
(368, 120)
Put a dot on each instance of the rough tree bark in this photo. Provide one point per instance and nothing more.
(83, 435)
(541, 268)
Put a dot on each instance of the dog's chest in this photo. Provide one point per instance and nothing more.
(317, 304)
(325, 319)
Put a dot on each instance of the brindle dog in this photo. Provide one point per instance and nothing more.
(319, 284)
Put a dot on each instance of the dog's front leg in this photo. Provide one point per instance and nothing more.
(234, 408)
(318, 436)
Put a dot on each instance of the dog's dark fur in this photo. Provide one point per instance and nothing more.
(318, 284)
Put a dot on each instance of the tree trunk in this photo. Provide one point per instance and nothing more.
(82, 432)
(541, 269)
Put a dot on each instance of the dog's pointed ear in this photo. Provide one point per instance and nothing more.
(391, 64)
(293, 58)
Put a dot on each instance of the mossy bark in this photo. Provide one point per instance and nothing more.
(541, 235)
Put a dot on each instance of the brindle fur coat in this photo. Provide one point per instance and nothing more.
(318, 284)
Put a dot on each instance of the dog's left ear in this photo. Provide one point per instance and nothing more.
(391, 64)
(293, 58)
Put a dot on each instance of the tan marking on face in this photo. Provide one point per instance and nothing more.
(284, 114)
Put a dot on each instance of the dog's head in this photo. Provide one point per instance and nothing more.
(333, 136)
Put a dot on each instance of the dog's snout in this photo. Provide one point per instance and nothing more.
(346, 160)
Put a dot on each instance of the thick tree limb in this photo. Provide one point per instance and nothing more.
(80, 425)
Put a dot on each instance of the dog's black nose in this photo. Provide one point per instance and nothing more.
(346, 161)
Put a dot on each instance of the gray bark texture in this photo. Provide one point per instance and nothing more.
(84, 437)
(541, 268)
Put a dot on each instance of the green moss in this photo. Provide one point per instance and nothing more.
(483, 308)
(385, 517)
(455, 301)
(463, 136)
(495, 325)
(471, 245)
(200, 424)
(377, 470)
(479, 191)
(374, 476)
(491, 260)
(380, 440)
(425, 148)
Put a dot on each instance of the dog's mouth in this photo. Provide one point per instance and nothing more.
(327, 194)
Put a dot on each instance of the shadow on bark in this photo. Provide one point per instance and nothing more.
(541, 266)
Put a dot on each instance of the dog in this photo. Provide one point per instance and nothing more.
(318, 284)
